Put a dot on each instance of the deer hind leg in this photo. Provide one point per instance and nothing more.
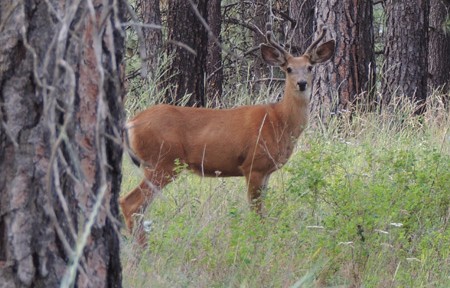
(133, 202)
(257, 183)
(140, 197)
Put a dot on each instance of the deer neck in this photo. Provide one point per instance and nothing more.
(294, 109)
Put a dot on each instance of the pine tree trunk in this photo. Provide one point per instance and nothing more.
(405, 68)
(151, 14)
(302, 11)
(61, 114)
(214, 58)
(439, 47)
(350, 76)
(188, 45)
(260, 16)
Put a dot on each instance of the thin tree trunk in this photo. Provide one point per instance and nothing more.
(439, 47)
(61, 114)
(350, 76)
(151, 14)
(188, 44)
(214, 58)
(260, 16)
(302, 11)
(405, 67)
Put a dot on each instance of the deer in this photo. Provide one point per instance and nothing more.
(252, 141)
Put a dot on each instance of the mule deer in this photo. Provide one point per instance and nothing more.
(251, 141)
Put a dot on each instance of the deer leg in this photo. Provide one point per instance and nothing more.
(140, 197)
(257, 183)
(137, 200)
(133, 201)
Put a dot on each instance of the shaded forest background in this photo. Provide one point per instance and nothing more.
(200, 53)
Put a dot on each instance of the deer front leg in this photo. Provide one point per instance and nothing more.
(257, 183)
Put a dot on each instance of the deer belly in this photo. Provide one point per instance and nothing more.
(214, 162)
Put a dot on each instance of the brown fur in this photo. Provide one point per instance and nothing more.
(251, 141)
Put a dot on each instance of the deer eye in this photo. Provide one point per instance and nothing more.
(310, 68)
(289, 70)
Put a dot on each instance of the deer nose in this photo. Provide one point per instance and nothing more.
(302, 85)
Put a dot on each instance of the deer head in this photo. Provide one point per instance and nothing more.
(298, 69)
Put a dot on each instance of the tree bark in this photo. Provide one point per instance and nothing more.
(60, 162)
(214, 58)
(189, 45)
(259, 17)
(439, 47)
(151, 14)
(302, 11)
(350, 76)
(405, 68)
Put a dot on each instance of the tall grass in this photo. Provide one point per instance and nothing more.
(362, 203)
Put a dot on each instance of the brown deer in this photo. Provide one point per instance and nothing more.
(251, 141)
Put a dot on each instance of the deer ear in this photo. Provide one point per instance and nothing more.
(272, 56)
(323, 52)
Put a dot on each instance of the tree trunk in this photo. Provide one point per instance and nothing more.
(439, 47)
(214, 58)
(151, 14)
(350, 76)
(302, 11)
(259, 16)
(189, 46)
(61, 114)
(405, 68)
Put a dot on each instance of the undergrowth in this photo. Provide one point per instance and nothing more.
(362, 203)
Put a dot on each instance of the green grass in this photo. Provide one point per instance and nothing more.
(360, 204)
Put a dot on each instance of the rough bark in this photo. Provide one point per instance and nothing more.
(214, 67)
(439, 47)
(188, 43)
(260, 16)
(302, 11)
(405, 67)
(151, 14)
(61, 113)
(350, 76)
